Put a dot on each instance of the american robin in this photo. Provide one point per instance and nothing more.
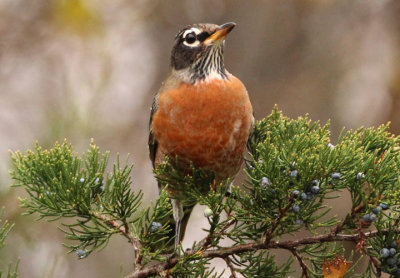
(202, 113)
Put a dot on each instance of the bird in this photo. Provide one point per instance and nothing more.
(202, 114)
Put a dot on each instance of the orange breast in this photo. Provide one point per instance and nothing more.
(207, 123)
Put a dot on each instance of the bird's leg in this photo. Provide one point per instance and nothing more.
(177, 212)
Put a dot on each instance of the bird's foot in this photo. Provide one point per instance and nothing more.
(169, 257)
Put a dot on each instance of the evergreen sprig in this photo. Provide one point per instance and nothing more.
(152, 234)
(60, 184)
(5, 228)
(180, 182)
(292, 170)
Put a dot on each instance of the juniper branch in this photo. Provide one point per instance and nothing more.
(268, 234)
(291, 172)
(231, 267)
(122, 229)
(303, 266)
(225, 252)
(375, 263)
(207, 240)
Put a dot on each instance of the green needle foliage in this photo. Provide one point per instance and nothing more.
(5, 228)
(62, 185)
(292, 170)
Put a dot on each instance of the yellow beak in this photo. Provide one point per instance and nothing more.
(221, 33)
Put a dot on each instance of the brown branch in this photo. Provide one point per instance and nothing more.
(249, 247)
(375, 262)
(207, 240)
(122, 229)
(301, 263)
(231, 267)
(267, 235)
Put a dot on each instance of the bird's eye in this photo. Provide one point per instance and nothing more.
(190, 38)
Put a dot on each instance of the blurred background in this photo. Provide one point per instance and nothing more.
(81, 69)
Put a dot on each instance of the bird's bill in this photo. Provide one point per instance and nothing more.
(221, 33)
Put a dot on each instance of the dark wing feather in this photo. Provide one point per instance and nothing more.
(153, 144)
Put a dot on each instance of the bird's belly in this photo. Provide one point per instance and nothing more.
(208, 125)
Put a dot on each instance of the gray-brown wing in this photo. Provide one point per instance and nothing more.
(153, 144)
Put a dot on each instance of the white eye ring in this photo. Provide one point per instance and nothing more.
(191, 30)
(193, 44)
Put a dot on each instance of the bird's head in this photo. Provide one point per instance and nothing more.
(198, 52)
